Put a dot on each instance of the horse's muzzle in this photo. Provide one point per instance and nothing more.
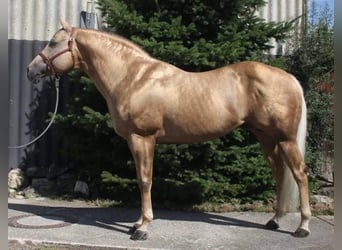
(34, 75)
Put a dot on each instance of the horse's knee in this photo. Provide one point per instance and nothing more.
(146, 184)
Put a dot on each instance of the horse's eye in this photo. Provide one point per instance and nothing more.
(52, 43)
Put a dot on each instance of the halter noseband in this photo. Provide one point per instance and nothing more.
(48, 61)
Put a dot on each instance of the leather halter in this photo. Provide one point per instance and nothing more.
(49, 61)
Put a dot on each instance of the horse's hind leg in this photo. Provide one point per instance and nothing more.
(142, 149)
(294, 160)
(272, 156)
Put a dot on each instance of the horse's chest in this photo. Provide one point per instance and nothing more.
(137, 116)
(120, 117)
(118, 125)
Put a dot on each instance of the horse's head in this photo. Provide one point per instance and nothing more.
(58, 56)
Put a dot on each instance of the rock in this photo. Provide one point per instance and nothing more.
(31, 171)
(57, 171)
(36, 172)
(43, 185)
(30, 192)
(11, 193)
(52, 171)
(326, 191)
(93, 190)
(20, 195)
(66, 182)
(17, 179)
(322, 200)
(82, 188)
(38, 182)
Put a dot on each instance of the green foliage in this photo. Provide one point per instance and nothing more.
(118, 188)
(216, 171)
(212, 171)
(194, 35)
(312, 62)
(88, 129)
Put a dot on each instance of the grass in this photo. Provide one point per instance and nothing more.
(233, 206)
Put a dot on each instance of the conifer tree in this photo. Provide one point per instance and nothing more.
(195, 35)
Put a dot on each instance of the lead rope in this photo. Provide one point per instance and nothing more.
(50, 123)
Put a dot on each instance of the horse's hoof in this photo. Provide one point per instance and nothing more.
(301, 233)
(271, 224)
(133, 229)
(139, 235)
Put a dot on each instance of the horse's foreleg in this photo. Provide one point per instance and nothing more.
(142, 149)
(296, 163)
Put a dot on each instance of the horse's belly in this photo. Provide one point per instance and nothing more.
(197, 129)
(187, 138)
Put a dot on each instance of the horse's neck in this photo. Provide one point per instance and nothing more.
(102, 59)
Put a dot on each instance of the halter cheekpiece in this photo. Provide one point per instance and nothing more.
(49, 61)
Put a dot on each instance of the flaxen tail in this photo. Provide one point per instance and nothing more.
(289, 195)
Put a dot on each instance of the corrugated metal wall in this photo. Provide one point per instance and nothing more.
(31, 24)
(283, 10)
(38, 19)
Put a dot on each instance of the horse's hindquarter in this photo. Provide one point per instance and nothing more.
(274, 99)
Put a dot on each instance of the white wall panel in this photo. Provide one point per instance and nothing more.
(38, 19)
(283, 10)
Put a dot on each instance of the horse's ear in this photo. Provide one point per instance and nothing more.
(65, 25)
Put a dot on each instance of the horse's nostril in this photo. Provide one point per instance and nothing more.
(27, 71)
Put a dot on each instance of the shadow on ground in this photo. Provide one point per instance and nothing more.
(114, 218)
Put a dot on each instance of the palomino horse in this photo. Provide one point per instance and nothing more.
(154, 102)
